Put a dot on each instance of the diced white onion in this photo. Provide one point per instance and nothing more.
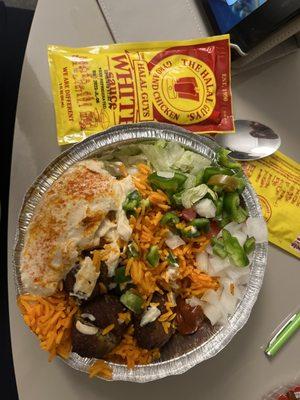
(226, 283)
(209, 250)
(172, 273)
(243, 280)
(223, 320)
(239, 291)
(193, 229)
(205, 208)
(238, 275)
(233, 227)
(174, 241)
(211, 297)
(244, 228)
(217, 264)
(213, 313)
(241, 237)
(202, 261)
(257, 228)
(194, 301)
(228, 302)
(166, 174)
(150, 315)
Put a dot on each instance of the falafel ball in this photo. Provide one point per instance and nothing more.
(105, 310)
(93, 345)
(152, 335)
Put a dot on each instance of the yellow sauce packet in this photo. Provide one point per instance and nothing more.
(276, 180)
(186, 83)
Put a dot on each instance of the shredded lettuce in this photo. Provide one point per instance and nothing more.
(163, 155)
(162, 158)
(190, 182)
(191, 196)
(190, 161)
(161, 143)
(129, 155)
(133, 160)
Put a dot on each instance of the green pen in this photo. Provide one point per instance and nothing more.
(283, 335)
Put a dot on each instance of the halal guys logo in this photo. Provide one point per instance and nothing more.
(183, 89)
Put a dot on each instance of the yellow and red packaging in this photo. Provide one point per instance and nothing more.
(276, 180)
(186, 83)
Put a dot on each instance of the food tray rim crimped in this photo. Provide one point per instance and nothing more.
(119, 136)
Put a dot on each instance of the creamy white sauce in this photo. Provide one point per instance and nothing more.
(105, 227)
(172, 273)
(86, 279)
(150, 315)
(88, 316)
(113, 259)
(77, 235)
(86, 329)
(123, 228)
(94, 165)
(120, 230)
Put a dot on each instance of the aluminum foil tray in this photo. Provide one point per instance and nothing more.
(181, 353)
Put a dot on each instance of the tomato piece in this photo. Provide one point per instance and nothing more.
(214, 229)
(188, 214)
(188, 318)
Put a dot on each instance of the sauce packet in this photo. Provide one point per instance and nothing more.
(186, 83)
(276, 180)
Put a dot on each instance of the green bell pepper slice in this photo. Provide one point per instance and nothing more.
(120, 276)
(145, 203)
(172, 260)
(169, 219)
(201, 224)
(249, 245)
(132, 201)
(233, 208)
(133, 250)
(189, 232)
(211, 171)
(176, 198)
(169, 185)
(219, 207)
(152, 256)
(225, 161)
(227, 183)
(132, 301)
(235, 251)
(199, 177)
(218, 247)
(219, 251)
(224, 220)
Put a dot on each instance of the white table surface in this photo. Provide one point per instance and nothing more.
(270, 95)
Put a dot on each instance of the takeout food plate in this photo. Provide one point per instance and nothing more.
(183, 354)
